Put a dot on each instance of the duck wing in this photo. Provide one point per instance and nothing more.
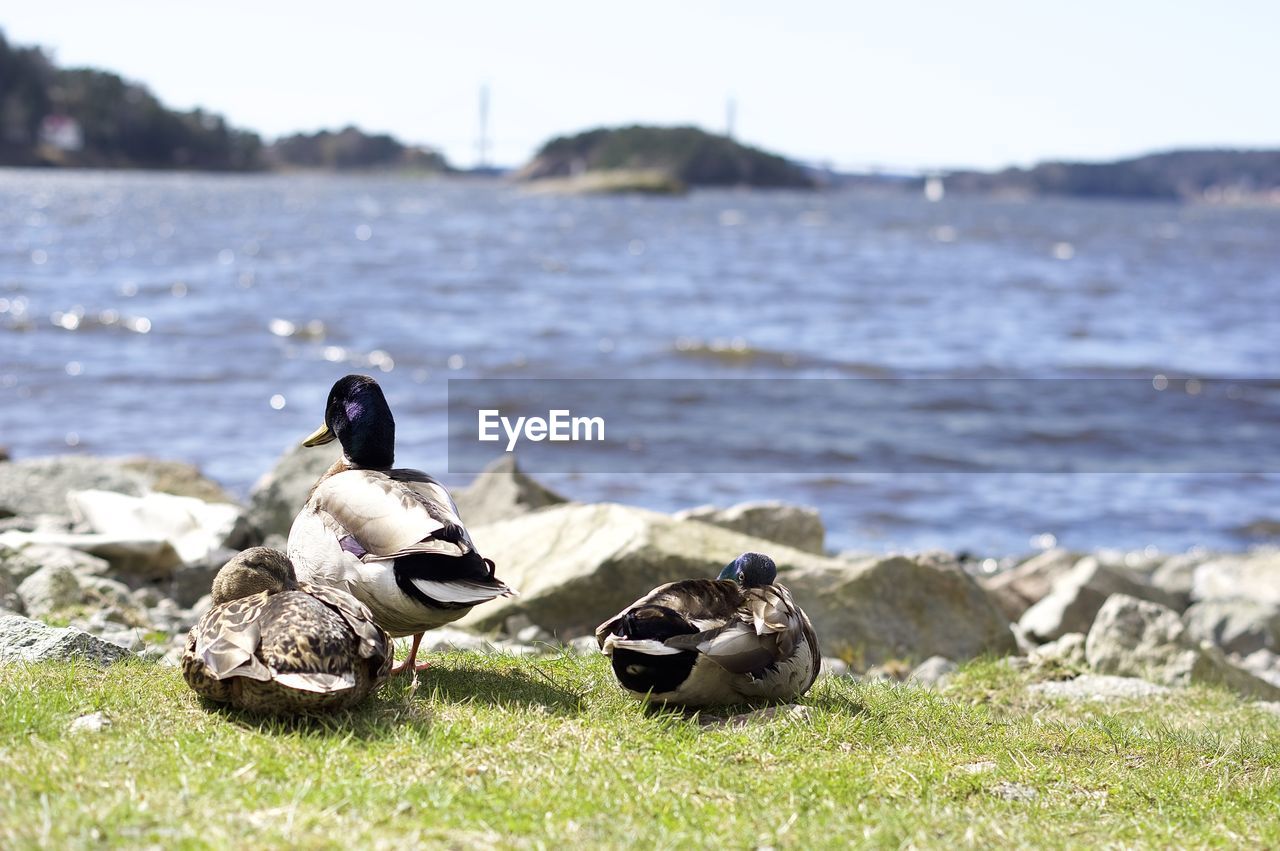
(228, 637)
(373, 641)
(381, 515)
(765, 628)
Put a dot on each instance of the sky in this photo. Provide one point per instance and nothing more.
(905, 85)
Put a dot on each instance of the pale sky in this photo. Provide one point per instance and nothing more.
(906, 84)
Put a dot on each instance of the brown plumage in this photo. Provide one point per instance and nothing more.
(273, 645)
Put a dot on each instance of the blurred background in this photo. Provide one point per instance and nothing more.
(210, 214)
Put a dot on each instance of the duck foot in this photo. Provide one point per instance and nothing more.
(411, 664)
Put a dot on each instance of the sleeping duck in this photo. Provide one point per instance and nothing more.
(391, 537)
(736, 639)
(271, 644)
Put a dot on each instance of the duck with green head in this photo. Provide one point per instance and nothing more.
(739, 638)
(391, 537)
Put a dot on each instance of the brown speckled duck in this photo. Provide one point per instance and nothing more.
(703, 642)
(273, 645)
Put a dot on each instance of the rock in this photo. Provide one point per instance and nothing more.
(1067, 651)
(94, 722)
(178, 478)
(1237, 625)
(1175, 575)
(40, 485)
(534, 634)
(1017, 792)
(1098, 687)
(280, 494)
(1267, 706)
(1016, 590)
(796, 526)
(933, 672)
(1133, 637)
(576, 565)
(193, 580)
(446, 639)
(1079, 594)
(501, 492)
(193, 528)
(136, 557)
(24, 560)
(584, 645)
(1263, 664)
(9, 597)
(833, 667)
(50, 589)
(1254, 575)
(26, 640)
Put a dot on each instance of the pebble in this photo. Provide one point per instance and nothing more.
(94, 722)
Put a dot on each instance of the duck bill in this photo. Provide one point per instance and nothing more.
(320, 437)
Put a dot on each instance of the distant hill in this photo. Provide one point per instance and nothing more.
(1187, 175)
(685, 155)
(85, 117)
(351, 148)
(89, 118)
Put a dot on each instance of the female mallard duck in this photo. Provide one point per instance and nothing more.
(736, 639)
(390, 537)
(272, 644)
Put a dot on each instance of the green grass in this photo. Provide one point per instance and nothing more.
(548, 753)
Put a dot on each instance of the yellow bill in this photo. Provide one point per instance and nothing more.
(320, 437)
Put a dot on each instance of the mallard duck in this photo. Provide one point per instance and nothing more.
(273, 644)
(391, 537)
(739, 638)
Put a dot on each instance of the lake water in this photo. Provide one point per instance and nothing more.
(205, 317)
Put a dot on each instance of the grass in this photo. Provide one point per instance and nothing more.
(547, 753)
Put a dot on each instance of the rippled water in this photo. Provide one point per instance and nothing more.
(205, 317)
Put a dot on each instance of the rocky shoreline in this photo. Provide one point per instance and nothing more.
(106, 558)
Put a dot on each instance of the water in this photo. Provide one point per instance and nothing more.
(205, 317)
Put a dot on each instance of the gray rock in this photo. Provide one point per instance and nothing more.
(193, 580)
(50, 589)
(191, 526)
(94, 722)
(1237, 625)
(1067, 651)
(1268, 707)
(125, 555)
(1079, 594)
(1017, 590)
(502, 492)
(584, 645)
(26, 640)
(9, 598)
(933, 672)
(1176, 574)
(21, 562)
(446, 639)
(1254, 575)
(797, 526)
(1098, 687)
(280, 494)
(1016, 792)
(40, 485)
(576, 565)
(1137, 638)
(833, 667)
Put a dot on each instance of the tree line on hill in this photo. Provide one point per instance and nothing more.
(91, 118)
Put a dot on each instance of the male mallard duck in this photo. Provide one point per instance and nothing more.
(736, 639)
(391, 537)
(272, 644)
